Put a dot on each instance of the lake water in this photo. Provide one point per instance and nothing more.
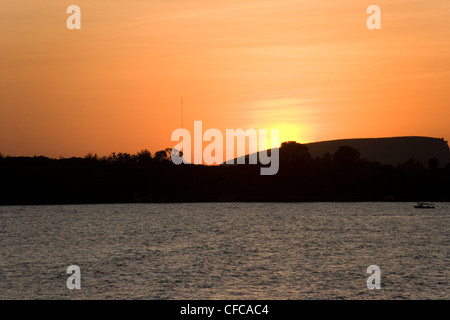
(225, 251)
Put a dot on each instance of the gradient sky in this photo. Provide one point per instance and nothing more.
(310, 68)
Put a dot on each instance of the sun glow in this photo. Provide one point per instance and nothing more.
(295, 118)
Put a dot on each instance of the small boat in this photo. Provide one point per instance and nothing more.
(424, 205)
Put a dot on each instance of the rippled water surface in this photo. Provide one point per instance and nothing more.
(225, 251)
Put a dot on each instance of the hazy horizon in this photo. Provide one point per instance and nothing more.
(152, 151)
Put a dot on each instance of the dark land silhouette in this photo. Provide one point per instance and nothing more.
(392, 151)
(389, 150)
(342, 175)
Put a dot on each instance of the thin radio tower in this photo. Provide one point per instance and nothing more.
(182, 143)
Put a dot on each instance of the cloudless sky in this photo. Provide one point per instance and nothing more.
(307, 67)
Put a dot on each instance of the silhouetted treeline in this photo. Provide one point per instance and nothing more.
(144, 177)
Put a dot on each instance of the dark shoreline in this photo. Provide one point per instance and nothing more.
(144, 178)
(204, 202)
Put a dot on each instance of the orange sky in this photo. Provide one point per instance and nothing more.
(310, 68)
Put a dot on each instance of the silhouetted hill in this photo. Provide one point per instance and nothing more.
(392, 151)
(389, 150)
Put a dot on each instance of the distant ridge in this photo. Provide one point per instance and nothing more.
(392, 150)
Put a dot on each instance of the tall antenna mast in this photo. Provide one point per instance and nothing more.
(181, 112)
